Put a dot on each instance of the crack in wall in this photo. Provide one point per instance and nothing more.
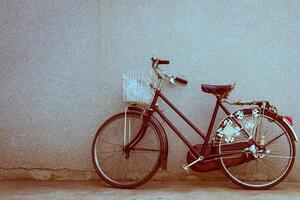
(65, 174)
(45, 174)
(43, 168)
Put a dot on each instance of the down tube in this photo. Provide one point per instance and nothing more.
(177, 132)
(182, 116)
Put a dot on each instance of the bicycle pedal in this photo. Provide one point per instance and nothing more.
(186, 168)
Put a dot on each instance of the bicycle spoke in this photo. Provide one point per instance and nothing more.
(115, 163)
(145, 149)
(270, 167)
(236, 162)
(111, 143)
(109, 157)
(275, 138)
(142, 160)
(151, 140)
(110, 147)
(120, 164)
(275, 156)
(271, 159)
(266, 168)
(112, 151)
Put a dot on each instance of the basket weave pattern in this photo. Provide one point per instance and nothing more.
(136, 88)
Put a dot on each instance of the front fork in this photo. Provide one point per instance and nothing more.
(127, 143)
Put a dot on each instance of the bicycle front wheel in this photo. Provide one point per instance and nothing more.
(265, 163)
(126, 167)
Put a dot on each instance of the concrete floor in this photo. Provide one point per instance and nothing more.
(15, 190)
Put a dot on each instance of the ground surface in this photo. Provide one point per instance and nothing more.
(210, 190)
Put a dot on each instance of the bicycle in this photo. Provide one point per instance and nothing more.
(253, 146)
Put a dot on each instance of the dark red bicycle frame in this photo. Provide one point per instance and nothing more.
(154, 108)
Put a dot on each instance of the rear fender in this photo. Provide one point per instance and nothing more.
(295, 137)
(288, 125)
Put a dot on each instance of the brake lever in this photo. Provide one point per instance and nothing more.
(172, 79)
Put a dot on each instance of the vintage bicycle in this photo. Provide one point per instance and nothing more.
(254, 146)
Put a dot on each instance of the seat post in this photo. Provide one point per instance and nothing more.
(212, 121)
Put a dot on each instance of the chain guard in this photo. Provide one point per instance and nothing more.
(212, 165)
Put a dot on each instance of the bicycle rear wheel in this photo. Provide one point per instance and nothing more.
(270, 159)
(126, 167)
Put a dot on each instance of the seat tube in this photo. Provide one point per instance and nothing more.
(212, 121)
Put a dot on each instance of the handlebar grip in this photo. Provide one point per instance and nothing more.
(160, 62)
(181, 80)
(163, 62)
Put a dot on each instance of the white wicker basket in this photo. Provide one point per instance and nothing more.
(136, 87)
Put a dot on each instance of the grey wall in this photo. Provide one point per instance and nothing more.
(62, 61)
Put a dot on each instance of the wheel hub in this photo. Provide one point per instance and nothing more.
(258, 151)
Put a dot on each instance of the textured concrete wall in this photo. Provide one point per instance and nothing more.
(62, 61)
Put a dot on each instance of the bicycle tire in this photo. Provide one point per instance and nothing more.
(255, 181)
(135, 155)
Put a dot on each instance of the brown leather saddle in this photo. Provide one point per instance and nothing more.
(220, 91)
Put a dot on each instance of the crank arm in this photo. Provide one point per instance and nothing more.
(187, 167)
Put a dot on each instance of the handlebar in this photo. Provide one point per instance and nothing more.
(156, 62)
(181, 80)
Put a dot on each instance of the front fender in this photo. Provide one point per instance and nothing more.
(165, 150)
(164, 159)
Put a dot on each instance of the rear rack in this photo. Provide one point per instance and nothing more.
(261, 104)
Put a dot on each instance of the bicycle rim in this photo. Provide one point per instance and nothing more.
(126, 169)
(271, 166)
